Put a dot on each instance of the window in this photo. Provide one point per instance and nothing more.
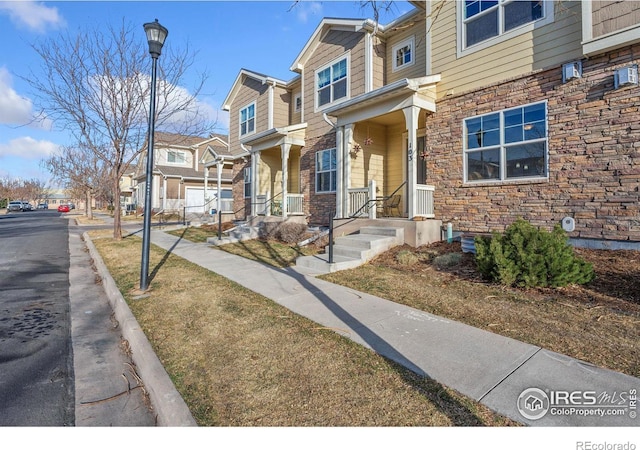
(332, 82)
(248, 119)
(326, 170)
(403, 54)
(247, 182)
(176, 157)
(297, 100)
(486, 19)
(510, 144)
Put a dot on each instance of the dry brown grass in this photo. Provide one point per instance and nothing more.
(239, 359)
(598, 323)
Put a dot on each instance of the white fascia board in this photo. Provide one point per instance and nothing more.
(611, 41)
(413, 84)
(226, 104)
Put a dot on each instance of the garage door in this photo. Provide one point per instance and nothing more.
(194, 200)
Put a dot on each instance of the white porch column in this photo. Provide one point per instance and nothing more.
(341, 191)
(372, 195)
(348, 141)
(255, 163)
(411, 119)
(284, 153)
(206, 184)
(219, 165)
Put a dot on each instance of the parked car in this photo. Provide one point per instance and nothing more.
(26, 206)
(15, 206)
(64, 208)
(72, 205)
(43, 206)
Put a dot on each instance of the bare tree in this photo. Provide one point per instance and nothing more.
(81, 171)
(94, 85)
(18, 189)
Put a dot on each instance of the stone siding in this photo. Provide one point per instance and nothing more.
(594, 154)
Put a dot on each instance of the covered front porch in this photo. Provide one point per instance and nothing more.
(273, 180)
(381, 157)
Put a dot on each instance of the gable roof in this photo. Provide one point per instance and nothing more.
(176, 140)
(327, 24)
(237, 84)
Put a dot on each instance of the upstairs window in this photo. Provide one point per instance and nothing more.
(403, 54)
(332, 82)
(297, 101)
(176, 157)
(248, 119)
(510, 144)
(486, 19)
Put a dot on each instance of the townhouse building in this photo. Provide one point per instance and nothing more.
(191, 174)
(474, 113)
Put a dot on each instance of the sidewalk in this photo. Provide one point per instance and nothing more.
(506, 375)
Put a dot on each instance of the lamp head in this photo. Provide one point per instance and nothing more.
(156, 35)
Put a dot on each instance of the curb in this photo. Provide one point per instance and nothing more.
(169, 406)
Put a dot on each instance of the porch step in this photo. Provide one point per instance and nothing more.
(355, 249)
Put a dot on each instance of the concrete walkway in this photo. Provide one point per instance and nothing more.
(521, 381)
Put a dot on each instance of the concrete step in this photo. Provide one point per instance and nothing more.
(320, 263)
(355, 249)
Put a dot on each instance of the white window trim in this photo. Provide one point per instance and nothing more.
(317, 108)
(548, 17)
(173, 163)
(411, 42)
(503, 149)
(325, 171)
(255, 120)
(295, 103)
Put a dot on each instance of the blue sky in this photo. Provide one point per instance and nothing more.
(264, 36)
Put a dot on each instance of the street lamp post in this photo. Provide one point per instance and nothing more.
(156, 35)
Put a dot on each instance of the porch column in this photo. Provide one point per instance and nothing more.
(219, 165)
(255, 163)
(411, 119)
(340, 173)
(206, 185)
(348, 141)
(284, 154)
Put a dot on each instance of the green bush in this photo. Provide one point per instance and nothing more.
(447, 260)
(527, 256)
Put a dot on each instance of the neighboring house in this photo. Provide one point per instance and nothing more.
(57, 197)
(190, 173)
(475, 112)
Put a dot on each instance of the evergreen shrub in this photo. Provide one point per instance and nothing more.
(527, 256)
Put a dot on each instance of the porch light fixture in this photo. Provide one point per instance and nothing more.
(156, 35)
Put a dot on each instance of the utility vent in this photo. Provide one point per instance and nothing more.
(627, 76)
(571, 71)
(568, 224)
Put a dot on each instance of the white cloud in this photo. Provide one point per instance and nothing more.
(14, 109)
(32, 15)
(305, 9)
(28, 148)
